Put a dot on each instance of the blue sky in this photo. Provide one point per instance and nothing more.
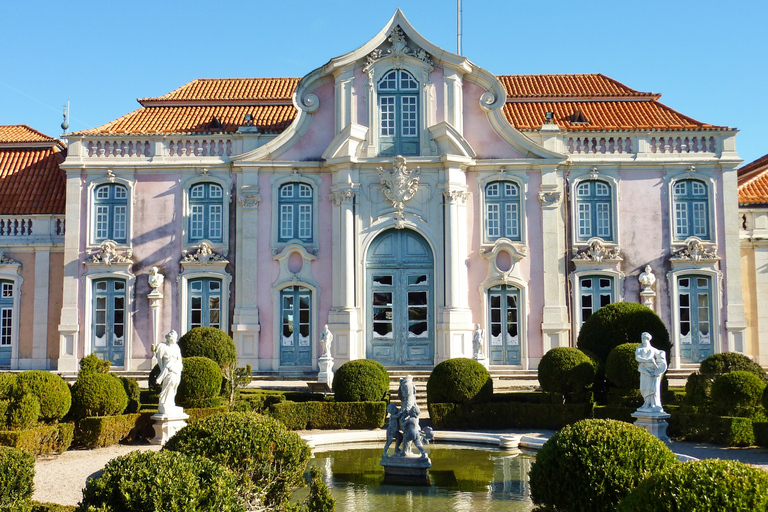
(707, 58)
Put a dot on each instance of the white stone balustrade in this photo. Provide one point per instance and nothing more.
(118, 148)
(599, 145)
(651, 144)
(684, 144)
(199, 147)
(12, 227)
(174, 147)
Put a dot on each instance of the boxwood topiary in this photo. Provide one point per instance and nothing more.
(51, 391)
(200, 382)
(361, 380)
(162, 481)
(619, 323)
(621, 366)
(131, 387)
(737, 389)
(7, 380)
(459, 381)
(698, 389)
(269, 460)
(701, 486)
(98, 394)
(591, 465)
(208, 342)
(94, 364)
(23, 412)
(566, 370)
(726, 362)
(17, 474)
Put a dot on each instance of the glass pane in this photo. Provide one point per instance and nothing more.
(197, 302)
(382, 299)
(586, 284)
(683, 282)
(407, 81)
(698, 188)
(382, 329)
(305, 191)
(510, 189)
(492, 190)
(196, 286)
(197, 318)
(681, 188)
(102, 192)
(417, 298)
(119, 285)
(389, 82)
(602, 189)
(197, 192)
(419, 279)
(382, 313)
(702, 282)
(216, 192)
(605, 299)
(583, 189)
(214, 285)
(286, 191)
(418, 330)
(382, 280)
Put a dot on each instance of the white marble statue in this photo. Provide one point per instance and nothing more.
(169, 358)
(326, 338)
(647, 279)
(652, 363)
(155, 278)
(477, 341)
(404, 423)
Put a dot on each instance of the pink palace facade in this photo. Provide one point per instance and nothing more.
(399, 194)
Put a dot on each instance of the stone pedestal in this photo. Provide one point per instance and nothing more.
(404, 470)
(653, 422)
(325, 363)
(482, 359)
(166, 426)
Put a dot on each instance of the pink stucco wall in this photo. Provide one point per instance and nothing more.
(478, 131)
(321, 129)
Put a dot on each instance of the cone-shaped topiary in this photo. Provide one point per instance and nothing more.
(566, 370)
(208, 342)
(361, 380)
(459, 381)
(17, 474)
(591, 465)
(98, 394)
(50, 389)
(621, 366)
(701, 486)
(726, 362)
(200, 382)
(734, 390)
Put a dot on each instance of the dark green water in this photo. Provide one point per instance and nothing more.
(463, 478)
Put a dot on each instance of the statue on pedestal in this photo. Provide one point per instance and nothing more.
(169, 359)
(477, 342)
(326, 338)
(652, 363)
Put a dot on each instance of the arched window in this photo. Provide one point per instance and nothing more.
(6, 322)
(694, 303)
(110, 218)
(594, 293)
(204, 298)
(295, 205)
(594, 209)
(691, 202)
(398, 96)
(108, 320)
(502, 211)
(504, 324)
(206, 212)
(296, 326)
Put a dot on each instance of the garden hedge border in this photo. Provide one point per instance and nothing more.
(506, 415)
(707, 428)
(760, 429)
(329, 415)
(40, 440)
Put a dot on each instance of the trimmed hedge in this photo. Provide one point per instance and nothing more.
(699, 486)
(199, 413)
(208, 342)
(98, 394)
(614, 412)
(17, 468)
(727, 362)
(7, 380)
(760, 429)
(735, 390)
(459, 380)
(330, 415)
(51, 507)
(131, 387)
(621, 366)
(591, 465)
(707, 428)
(98, 432)
(566, 370)
(162, 481)
(50, 389)
(268, 460)
(200, 381)
(40, 440)
(361, 380)
(698, 389)
(507, 415)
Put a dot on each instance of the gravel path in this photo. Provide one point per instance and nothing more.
(61, 478)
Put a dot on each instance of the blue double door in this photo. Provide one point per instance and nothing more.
(400, 300)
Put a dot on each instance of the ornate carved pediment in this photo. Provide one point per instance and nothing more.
(249, 200)
(399, 185)
(107, 255)
(7, 261)
(204, 255)
(695, 250)
(398, 50)
(597, 251)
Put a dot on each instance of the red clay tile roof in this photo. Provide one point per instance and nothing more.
(753, 183)
(31, 181)
(604, 103)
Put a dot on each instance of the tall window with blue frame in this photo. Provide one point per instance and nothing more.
(504, 324)
(204, 302)
(398, 97)
(502, 211)
(110, 213)
(691, 202)
(6, 322)
(595, 292)
(295, 326)
(694, 302)
(295, 203)
(594, 210)
(206, 212)
(108, 320)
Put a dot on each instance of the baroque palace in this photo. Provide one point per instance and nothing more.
(399, 194)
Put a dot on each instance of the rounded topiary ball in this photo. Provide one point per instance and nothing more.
(459, 381)
(98, 394)
(17, 468)
(591, 465)
(703, 485)
(619, 323)
(23, 412)
(726, 362)
(737, 389)
(208, 342)
(267, 458)
(698, 389)
(200, 382)
(621, 366)
(566, 370)
(162, 480)
(51, 391)
(361, 380)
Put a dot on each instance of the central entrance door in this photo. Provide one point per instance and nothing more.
(400, 300)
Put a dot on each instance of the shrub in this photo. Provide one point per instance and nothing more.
(98, 432)
(17, 483)
(50, 507)
(507, 415)
(200, 381)
(319, 499)
(458, 381)
(23, 412)
(40, 440)
(621, 366)
(708, 428)
(726, 362)
(161, 481)
(619, 323)
(51, 391)
(152, 379)
(330, 415)
(361, 380)
(698, 389)
(98, 394)
(4, 406)
(737, 389)
(94, 364)
(704, 485)
(208, 342)
(269, 461)
(566, 370)
(131, 387)
(591, 465)
(7, 380)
